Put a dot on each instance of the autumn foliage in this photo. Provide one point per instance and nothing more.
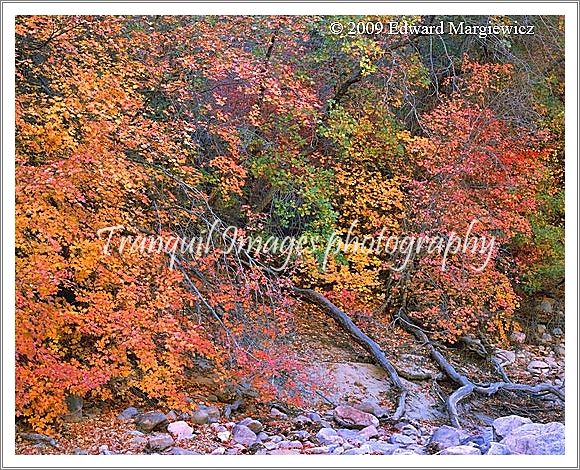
(165, 124)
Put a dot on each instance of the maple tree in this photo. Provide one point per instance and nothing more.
(168, 125)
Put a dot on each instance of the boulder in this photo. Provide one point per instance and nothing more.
(460, 450)
(328, 436)
(518, 337)
(38, 438)
(350, 417)
(213, 413)
(444, 437)
(506, 424)
(368, 432)
(160, 441)
(128, 414)
(372, 407)
(504, 357)
(151, 420)
(181, 451)
(199, 416)
(224, 436)
(382, 447)
(302, 420)
(104, 450)
(290, 445)
(276, 413)
(253, 424)
(314, 417)
(401, 439)
(538, 367)
(364, 449)
(495, 448)
(243, 435)
(180, 429)
(350, 435)
(537, 439)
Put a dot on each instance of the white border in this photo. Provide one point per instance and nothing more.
(10, 10)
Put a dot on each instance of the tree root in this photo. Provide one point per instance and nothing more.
(367, 343)
(466, 386)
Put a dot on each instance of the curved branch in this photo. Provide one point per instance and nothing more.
(366, 342)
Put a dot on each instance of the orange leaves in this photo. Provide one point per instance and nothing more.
(231, 175)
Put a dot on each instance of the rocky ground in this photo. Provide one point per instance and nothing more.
(348, 414)
(348, 430)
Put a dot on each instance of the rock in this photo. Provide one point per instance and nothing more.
(409, 430)
(213, 413)
(368, 432)
(460, 450)
(219, 451)
(506, 424)
(537, 439)
(423, 407)
(160, 441)
(291, 445)
(546, 306)
(149, 421)
(243, 435)
(138, 442)
(38, 438)
(364, 449)
(180, 429)
(538, 367)
(546, 338)
(74, 404)
(328, 436)
(350, 435)
(78, 451)
(302, 435)
(181, 451)
(224, 436)
(372, 407)
(504, 357)
(104, 450)
(319, 450)
(381, 447)
(478, 441)
(560, 350)
(253, 424)
(270, 445)
(276, 413)
(557, 331)
(495, 448)
(417, 449)
(541, 329)
(444, 437)
(400, 451)
(350, 417)
(302, 420)
(284, 452)
(518, 337)
(314, 417)
(199, 416)
(401, 439)
(172, 416)
(128, 414)
(338, 451)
